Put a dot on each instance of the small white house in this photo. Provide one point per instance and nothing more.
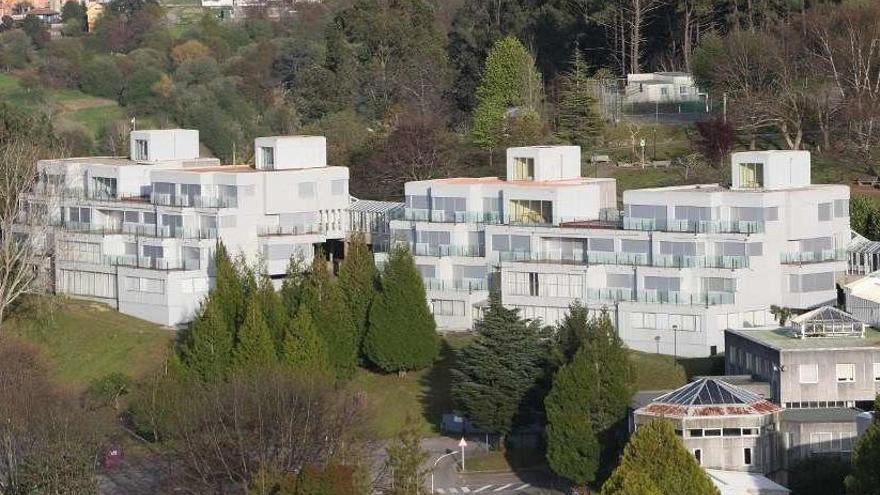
(661, 87)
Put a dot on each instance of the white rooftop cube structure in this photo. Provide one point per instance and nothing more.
(140, 234)
(290, 152)
(771, 169)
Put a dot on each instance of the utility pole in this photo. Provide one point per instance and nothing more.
(724, 107)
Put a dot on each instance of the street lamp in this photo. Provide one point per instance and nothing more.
(675, 341)
(435, 467)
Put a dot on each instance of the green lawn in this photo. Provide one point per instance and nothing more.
(83, 341)
(66, 104)
(657, 371)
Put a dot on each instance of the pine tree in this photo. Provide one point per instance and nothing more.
(405, 460)
(571, 333)
(403, 334)
(655, 461)
(207, 353)
(495, 374)
(615, 383)
(572, 446)
(865, 476)
(578, 121)
(323, 297)
(254, 349)
(510, 81)
(292, 286)
(229, 290)
(274, 312)
(357, 278)
(303, 350)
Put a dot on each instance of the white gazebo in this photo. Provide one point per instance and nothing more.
(827, 321)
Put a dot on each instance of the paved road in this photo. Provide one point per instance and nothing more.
(447, 479)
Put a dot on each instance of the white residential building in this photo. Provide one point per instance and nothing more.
(139, 232)
(661, 87)
(677, 267)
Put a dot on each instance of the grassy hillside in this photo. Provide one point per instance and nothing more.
(66, 105)
(83, 341)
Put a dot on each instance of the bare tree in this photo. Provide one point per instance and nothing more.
(624, 21)
(24, 221)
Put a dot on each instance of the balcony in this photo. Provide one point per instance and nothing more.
(132, 261)
(140, 230)
(448, 250)
(78, 193)
(575, 258)
(809, 257)
(692, 226)
(462, 285)
(614, 295)
(726, 262)
(191, 201)
(469, 217)
(277, 230)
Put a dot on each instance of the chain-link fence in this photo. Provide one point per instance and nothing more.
(620, 102)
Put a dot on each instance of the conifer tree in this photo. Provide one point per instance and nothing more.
(402, 334)
(323, 297)
(865, 476)
(495, 374)
(579, 123)
(293, 284)
(406, 458)
(655, 461)
(303, 349)
(509, 81)
(207, 353)
(274, 312)
(571, 333)
(254, 349)
(357, 278)
(572, 446)
(614, 387)
(229, 290)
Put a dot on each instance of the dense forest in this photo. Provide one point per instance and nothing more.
(409, 89)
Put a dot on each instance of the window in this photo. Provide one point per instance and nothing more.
(531, 211)
(267, 157)
(811, 282)
(664, 91)
(712, 432)
(131, 217)
(695, 433)
(104, 187)
(747, 456)
(877, 372)
(846, 372)
(141, 149)
(150, 218)
(841, 208)
(523, 168)
(442, 307)
(824, 212)
(533, 284)
(749, 432)
(307, 190)
(732, 432)
(154, 252)
(338, 187)
(751, 175)
(808, 373)
(663, 284)
(683, 90)
(698, 454)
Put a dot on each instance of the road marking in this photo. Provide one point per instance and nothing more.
(505, 487)
(523, 487)
(478, 490)
(465, 489)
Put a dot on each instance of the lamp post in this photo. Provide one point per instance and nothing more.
(675, 341)
(435, 466)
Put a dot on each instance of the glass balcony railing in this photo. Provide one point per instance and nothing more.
(277, 230)
(463, 285)
(807, 257)
(576, 257)
(140, 230)
(132, 261)
(442, 216)
(693, 226)
(613, 295)
(674, 261)
(448, 250)
(191, 201)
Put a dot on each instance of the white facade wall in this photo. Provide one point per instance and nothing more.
(145, 243)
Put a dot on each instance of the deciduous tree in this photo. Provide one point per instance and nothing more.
(406, 460)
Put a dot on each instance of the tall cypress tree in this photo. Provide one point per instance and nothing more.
(655, 461)
(274, 312)
(579, 123)
(303, 350)
(255, 349)
(495, 374)
(323, 297)
(402, 334)
(571, 333)
(357, 278)
(229, 289)
(293, 284)
(572, 446)
(207, 353)
(614, 385)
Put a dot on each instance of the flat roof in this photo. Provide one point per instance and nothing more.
(821, 415)
(230, 169)
(713, 188)
(780, 338)
(744, 483)
(497, 181)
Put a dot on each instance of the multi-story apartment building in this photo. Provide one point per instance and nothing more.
(139, 232)
(447, 222)
(675, 268)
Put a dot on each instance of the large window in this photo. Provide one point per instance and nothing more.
(808, 373)
(531, 211)
(811, 282)
(104, 187)
(523, 168)
(751, 175)
(824, 212)
(846, 372)
(141, 149)
(267, 157)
